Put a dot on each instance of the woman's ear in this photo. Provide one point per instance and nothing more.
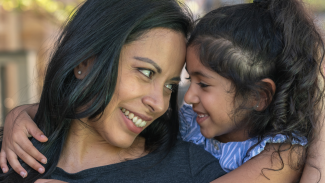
(83, 69)
(265, 98)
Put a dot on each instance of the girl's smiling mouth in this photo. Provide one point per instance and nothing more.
(201, 117)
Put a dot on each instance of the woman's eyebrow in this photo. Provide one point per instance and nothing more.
(148, 60)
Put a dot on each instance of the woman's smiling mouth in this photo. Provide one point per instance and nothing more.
(135, 119)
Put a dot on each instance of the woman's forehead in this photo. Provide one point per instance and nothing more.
(163, 48)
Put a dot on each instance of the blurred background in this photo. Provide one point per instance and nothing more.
(28, 29)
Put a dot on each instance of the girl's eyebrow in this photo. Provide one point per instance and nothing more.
(198, 73)
(148, 60)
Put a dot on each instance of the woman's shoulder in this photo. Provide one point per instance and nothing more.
(187, 150)
(184, 163)
(197, 159)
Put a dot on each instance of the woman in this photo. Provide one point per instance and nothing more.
(243, 171)
(112, 60)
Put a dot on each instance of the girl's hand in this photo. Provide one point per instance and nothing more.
(17, 128)
(49, 181)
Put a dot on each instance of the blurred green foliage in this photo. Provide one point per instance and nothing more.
(317, 5)
(60, 10)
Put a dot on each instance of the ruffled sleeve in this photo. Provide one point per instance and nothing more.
(233, 154)
(184, 116)
(188, 127)
(272, 140)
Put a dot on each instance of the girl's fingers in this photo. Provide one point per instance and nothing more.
(29, 148)
(3, 162)
(33, 130)
(14, 163)
(29, 160)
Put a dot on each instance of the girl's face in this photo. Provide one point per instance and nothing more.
(212, 98)
(149, 69)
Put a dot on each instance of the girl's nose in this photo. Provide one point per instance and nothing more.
(191, 96)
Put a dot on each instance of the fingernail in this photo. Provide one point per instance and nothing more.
(41, 170)
(44, 161)
(3, 170)
(23, 174)
(43, 136)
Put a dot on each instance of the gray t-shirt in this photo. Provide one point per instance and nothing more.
(185, 163)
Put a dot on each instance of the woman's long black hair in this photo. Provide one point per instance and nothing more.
(99, 29)
(274, 39)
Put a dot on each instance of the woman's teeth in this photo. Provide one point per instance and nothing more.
(202, 115)
(136, 120)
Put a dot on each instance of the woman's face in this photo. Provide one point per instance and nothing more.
(149, 69)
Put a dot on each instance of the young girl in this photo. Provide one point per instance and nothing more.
(255, 92)
(255, 74)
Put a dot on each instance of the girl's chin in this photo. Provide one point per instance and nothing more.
(207, 134)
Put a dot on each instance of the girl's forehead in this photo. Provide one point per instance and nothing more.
(193, 61)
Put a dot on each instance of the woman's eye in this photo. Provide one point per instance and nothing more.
(189, 78)
(171, 87)
(147, 72)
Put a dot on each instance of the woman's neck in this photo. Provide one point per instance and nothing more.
(84, 148)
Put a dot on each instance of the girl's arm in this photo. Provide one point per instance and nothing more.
(17, 128)
(267, 163)
(316, 152)
(314, 170)
(316, 158)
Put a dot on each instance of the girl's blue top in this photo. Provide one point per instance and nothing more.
(232, 154)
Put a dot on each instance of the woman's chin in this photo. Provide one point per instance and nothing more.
(123, 142)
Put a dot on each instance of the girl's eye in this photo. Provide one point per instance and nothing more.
(202, 85)
(171, 87)
(146, 72)
(189, 78)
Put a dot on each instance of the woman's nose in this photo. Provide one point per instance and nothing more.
(155, 101)
(191, 96)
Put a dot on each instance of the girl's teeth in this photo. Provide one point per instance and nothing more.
(202, 115)
(137, 121)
